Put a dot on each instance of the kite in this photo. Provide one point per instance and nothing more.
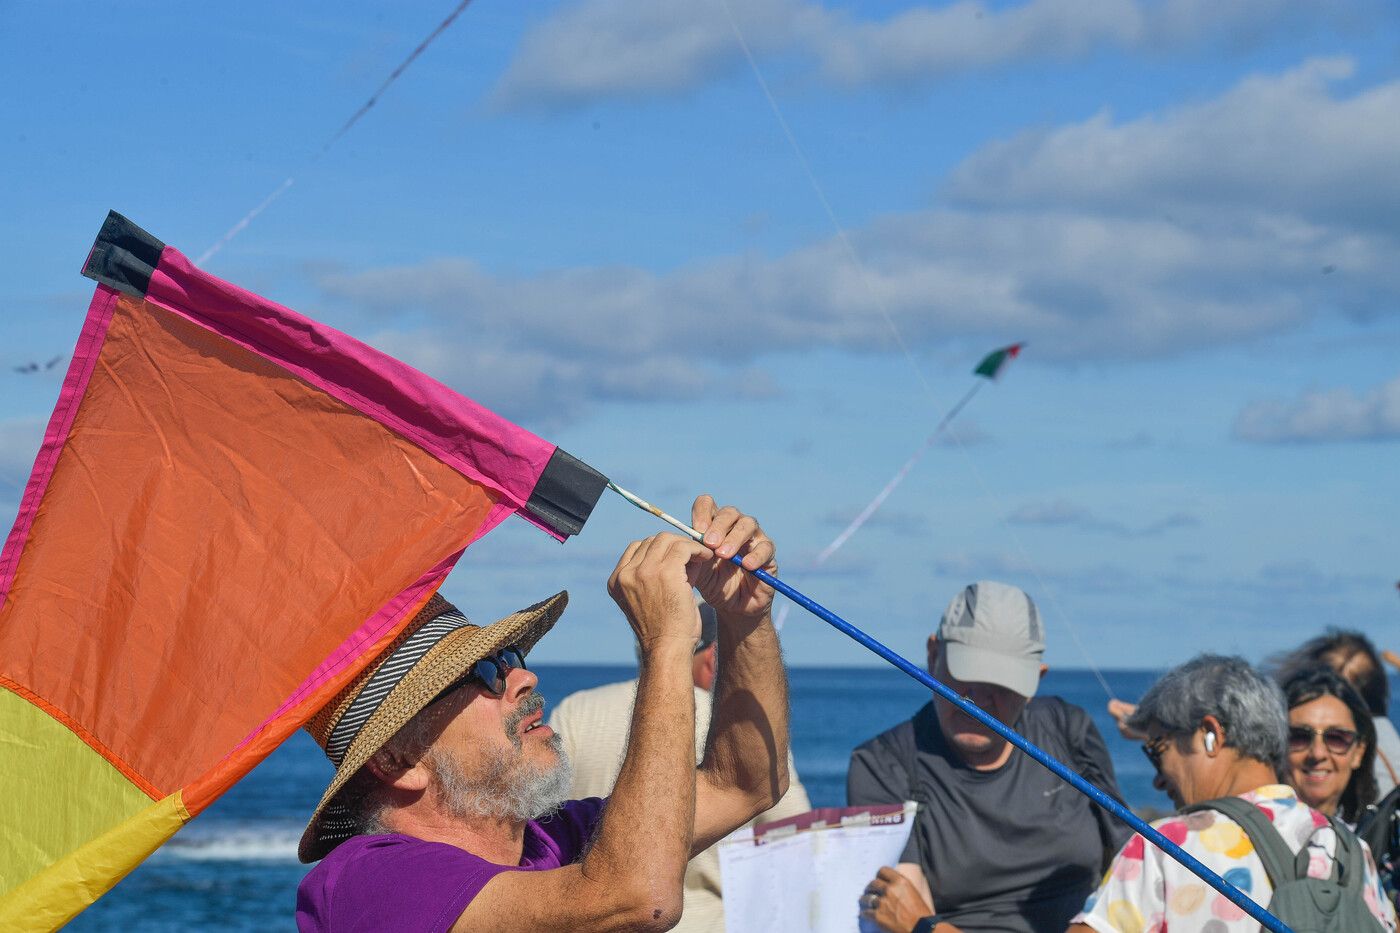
(34, 367)
(990, 368)
(993, 363)
(234, 508)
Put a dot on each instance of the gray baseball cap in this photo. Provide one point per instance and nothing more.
(991, 633)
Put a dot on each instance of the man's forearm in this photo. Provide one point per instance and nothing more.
(646, 829)
(747, 751)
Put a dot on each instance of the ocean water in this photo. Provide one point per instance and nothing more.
(235, 868)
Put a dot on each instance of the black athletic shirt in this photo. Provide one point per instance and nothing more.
(1015, 849)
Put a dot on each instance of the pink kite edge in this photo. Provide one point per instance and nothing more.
(415, 405)
(75, 382)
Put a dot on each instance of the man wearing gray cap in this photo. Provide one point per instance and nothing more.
(999, 843)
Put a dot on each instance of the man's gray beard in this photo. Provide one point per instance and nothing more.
(508, 789)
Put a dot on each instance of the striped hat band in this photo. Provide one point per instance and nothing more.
(399, 662)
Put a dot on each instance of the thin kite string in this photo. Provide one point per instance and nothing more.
(1035, 571)
(898, 337)
(880, 497)
(826, 204)
(335, 137)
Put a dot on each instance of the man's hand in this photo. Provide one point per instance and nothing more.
(651, 585)
(728, 532)
(1120, 710)
(744, 769)
(892, 902)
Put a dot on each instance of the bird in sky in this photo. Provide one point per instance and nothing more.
(33, 367)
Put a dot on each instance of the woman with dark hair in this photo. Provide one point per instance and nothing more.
(1353, 656)
(1350, 654)
(1331, 744)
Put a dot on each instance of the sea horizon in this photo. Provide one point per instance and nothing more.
(234, 866)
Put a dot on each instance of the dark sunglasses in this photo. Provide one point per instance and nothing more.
(1153, 750)
(491, 672)
(1335, 739)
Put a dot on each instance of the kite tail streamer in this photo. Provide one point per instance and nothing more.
(1056, 767)
(893, 484)
(237, 228)
(883, 494)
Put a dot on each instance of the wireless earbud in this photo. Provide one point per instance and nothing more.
(1210, 741)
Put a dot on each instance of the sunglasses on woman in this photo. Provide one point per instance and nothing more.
(491, 672)
(1335, 739)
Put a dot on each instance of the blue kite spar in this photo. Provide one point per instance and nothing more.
(1058, 768)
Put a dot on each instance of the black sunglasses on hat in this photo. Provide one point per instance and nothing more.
(491, 672)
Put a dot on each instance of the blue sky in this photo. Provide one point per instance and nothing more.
(587, 216)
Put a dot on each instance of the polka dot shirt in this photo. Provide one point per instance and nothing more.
(1147, 891)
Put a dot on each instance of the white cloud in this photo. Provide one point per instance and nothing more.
(1284, 145)
(1305, 576)
(1161, 236)
(1324, 415)
(1063, 514)
(928, 41)
(903, 524)
(623, 48)
(598, 49)
(1042, 581)
(986, 566)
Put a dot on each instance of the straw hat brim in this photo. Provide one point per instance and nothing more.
(447, 661)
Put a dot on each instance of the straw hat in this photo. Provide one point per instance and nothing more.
(438, 647)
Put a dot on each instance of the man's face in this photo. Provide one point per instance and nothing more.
(496, 757)
(1181, 766)
(971, 739)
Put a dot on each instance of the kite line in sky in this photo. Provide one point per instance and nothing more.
(875, 298)
(335, 137)
(990, 368)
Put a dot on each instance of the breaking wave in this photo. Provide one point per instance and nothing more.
(235, 844)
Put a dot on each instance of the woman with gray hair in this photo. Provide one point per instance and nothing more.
(1216, 728)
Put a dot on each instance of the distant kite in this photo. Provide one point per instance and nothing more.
(990, 368)
(32, 367)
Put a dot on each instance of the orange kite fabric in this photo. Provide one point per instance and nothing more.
(233, 508)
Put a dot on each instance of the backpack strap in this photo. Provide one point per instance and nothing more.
(1350, 859)
(1377, 824)
(1280, 863)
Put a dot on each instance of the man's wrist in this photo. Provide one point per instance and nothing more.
(666, 653)
(926, 924)
(736, 627)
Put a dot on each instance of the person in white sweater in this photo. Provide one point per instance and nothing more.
(593, 726)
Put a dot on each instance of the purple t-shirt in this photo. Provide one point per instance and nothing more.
(396, 882)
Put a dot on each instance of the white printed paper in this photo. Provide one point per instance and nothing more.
(806, 874)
